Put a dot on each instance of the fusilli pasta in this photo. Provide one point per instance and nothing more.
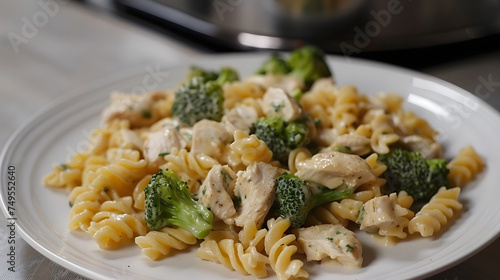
(436, 213)
(158, 244)
(464, 167)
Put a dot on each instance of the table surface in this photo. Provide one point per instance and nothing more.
(53, 59)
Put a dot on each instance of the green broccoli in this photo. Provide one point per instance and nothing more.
(198, 100)
(411, 172)
(308, 64)
(226, 74)
(294, 198)
(196, 71)
(280, 136)
(169, 203)
(201, 96)
(274, 65)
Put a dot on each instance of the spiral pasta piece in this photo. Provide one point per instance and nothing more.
(345, 110)
(121, 172)
(464, 167)
(250, 149)
(138, 194)
(377, 167)
(369, 190)
(236, 92)
(418, 126)
(232, 255)
(251, 236)
(383, 135)
(317, 101)
(100, 137)
(85, 203)
(189, 167)
(392, 101)
(69, 174)
(116, 223)
(324, 215)
(280, 252)
(158, 244)
(436, 213)
(297, 155)
(397, 229)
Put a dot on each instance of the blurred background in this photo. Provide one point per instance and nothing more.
(49, 48)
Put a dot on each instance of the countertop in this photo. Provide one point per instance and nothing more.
(74, 45)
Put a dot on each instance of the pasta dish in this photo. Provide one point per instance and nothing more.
(262, 174)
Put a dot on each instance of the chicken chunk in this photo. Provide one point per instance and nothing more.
(357, 144)
(288, 83)
(217, 192)
(137, 109)
(331, 241)
(240, 118)
(428, 148)
(380, 211)
(209, 138)
(277, 102)
(255, 189)
(165, 123)
(335, 169)
(161, 142)
(129, 139)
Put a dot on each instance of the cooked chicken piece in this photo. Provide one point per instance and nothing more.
(255, 189)
(165, 123)
(355, 143)
(326, 136)
(217, 192)
(130, 139)
(240, 118)
(277, 102)
(209, 138)
(187, 134)
(133, 107)
(428, 148)
(381, 211)
(288, 83)
(335, 169)
(161, 142)
(331, 241)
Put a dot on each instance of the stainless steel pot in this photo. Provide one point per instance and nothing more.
(335, 25)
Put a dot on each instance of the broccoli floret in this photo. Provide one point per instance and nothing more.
(196, 71)
(226, 74)
(280, 136)
(294, 198)
(169, 203)
(411, 172)
(274, 65)
(198, 100)
(308, 64)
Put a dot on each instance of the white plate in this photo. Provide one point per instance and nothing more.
(60, 130)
